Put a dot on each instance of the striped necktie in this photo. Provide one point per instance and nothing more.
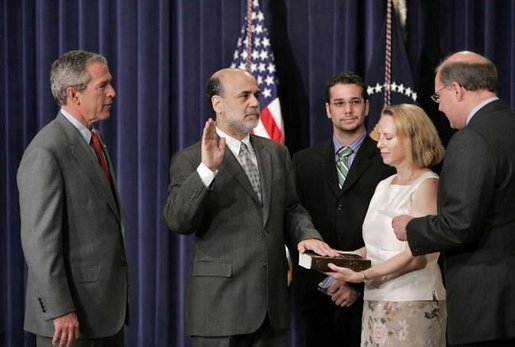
(342, 164)
(250, 169)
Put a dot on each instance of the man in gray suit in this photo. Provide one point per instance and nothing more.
(71, 228)
(235, 191)
(475, 225)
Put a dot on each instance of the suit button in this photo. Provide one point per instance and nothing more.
(339, 207)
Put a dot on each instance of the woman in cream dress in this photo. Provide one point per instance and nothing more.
(404, 295)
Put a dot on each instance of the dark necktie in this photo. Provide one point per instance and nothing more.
(250, 169)
(98, 147)
(342, 164)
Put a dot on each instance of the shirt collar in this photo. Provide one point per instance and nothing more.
(478, 107)
(83, 130)
(233, 143)
(354, 145)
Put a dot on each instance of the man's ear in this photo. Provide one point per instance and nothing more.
(217, 103)
(72, 95)
(458, 91)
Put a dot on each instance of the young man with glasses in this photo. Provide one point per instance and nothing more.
(337, 201)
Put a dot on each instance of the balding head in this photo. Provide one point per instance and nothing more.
(466, 57)
(231, 73)
(463, 81)
(234, 96)
(215, 85)
(470, 70)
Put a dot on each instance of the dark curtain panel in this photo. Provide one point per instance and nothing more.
(161, 54)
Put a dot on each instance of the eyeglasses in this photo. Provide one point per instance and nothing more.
(436, 97)
(342, 103)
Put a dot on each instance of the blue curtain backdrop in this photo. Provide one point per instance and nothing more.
(161, 54)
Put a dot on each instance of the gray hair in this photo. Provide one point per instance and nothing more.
(214, 87)
(69, 70)
(470, 75)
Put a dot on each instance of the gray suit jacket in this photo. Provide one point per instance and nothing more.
(239, 263)
(71, 235)
(475, 227)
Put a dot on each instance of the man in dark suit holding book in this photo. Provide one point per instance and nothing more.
(338, 206)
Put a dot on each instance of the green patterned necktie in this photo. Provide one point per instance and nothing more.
(342, 164)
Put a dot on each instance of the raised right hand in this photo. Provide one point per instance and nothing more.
(213, 147)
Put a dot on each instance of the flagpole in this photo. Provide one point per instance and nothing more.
(248, 30)
(388, 71)
(388, 55)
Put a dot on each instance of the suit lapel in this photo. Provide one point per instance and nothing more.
(328, 167)
(361, 162)
(232, 166)
(87, 162)
(265, 172)
(111, 172)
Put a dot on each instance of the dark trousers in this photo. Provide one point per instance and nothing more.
(110, 341)
(328, 325)
(265, 336)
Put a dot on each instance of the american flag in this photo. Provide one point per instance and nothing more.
(398, 80)
(260, 59)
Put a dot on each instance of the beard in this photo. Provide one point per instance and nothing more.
(245, 125)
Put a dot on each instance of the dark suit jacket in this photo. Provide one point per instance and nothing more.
(337, 214)
(71, 234)
(475, 227)
(239, 272)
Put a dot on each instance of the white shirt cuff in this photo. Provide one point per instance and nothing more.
(206, 175)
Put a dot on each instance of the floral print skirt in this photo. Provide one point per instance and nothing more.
(404, 324)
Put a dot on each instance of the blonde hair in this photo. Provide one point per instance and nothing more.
(419, 133)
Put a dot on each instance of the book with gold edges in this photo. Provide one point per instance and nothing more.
(353, 261)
